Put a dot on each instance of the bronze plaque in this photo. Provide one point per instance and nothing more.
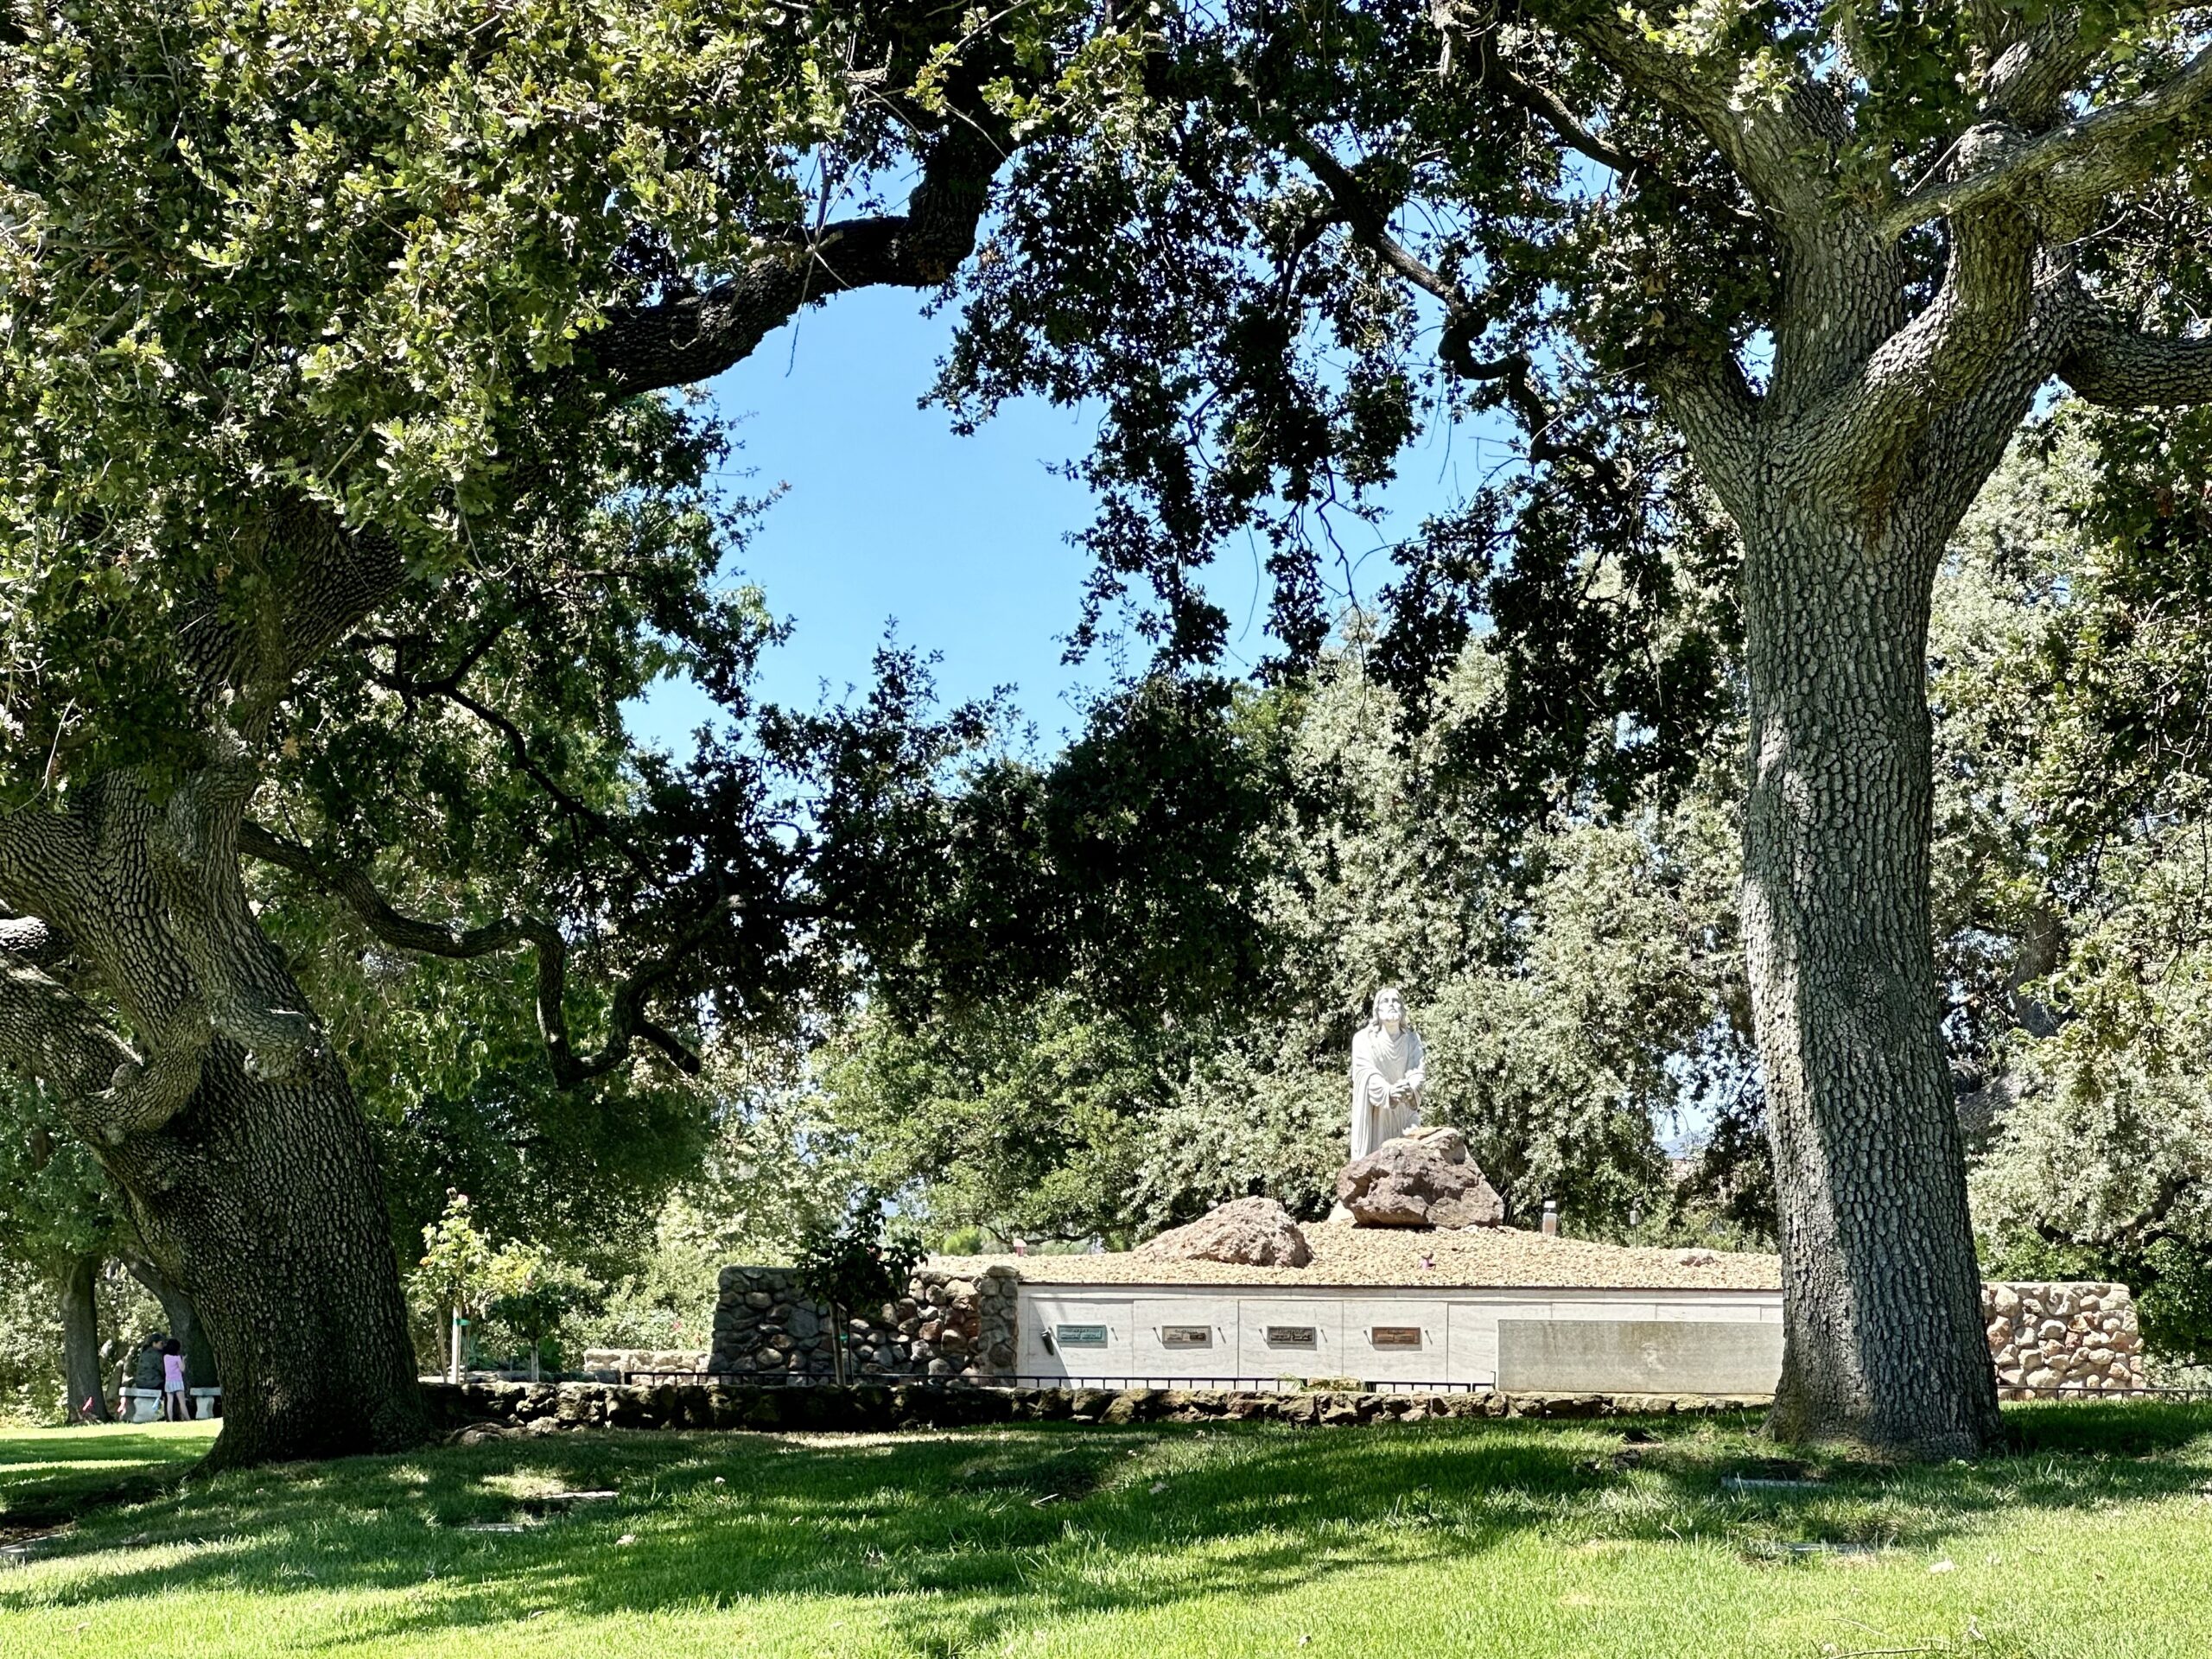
(1394, 1336)
(1292, 1335)
(1186, 1336)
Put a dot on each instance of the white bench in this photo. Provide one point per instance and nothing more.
(145, 1405)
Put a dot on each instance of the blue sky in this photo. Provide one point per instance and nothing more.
(888, 514)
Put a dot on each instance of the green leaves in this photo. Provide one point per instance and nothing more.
(1576, 986)
(296, 252)
(456, 1266)
(858, 1259)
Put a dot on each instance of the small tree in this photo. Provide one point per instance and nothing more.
(454, 1272)
(851, 1260)
(530, 1295)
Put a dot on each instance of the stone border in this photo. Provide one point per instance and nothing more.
(499, 1410)
(615, 1364)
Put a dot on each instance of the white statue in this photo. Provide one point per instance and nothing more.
(1386, 1075)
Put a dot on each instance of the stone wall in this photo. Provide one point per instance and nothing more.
(945, 1326)
(616, 1364)
(474, 1411)
(2077, 1337)
(2080, 1337)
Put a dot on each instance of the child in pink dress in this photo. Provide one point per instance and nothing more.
(177, 1404)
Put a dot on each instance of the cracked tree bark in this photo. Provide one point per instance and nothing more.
(1845, 488)
(265, 1197)
(1887, 407)
(1881, 1298)
(226, 1122)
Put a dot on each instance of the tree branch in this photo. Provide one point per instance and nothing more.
(449, 689)
(692, 336)
(2082, 153)
(1370, 226)
(323, 581)
(87, 874)
(1491, 69)
(192, 857)
(1980, 315)
(1713, 403)
(1640, 172)
(107, 1089)
(629, 1023)
(2122, 368)
(32, 939)
(1782, 149)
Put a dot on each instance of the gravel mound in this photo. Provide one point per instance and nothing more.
(1503, 1257)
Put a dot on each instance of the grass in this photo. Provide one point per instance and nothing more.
(1520, 1539)
(47, 1476)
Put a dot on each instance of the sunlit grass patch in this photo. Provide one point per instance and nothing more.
(1646, 1539)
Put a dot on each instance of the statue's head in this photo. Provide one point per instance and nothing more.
(1389, 1011)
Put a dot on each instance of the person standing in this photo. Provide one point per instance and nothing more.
(177, 1404)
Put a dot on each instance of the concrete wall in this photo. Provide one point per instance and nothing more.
(1255, 1335)
(1638, 1356)
(995, 1328)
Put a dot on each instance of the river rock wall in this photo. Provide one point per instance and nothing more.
(947, 1325)
(619, 1364)
(2078, 1337)
(473, 1411)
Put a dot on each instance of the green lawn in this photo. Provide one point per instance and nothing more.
(48, 1476)
(1507, 1539)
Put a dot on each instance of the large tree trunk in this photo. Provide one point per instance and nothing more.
(86, 1389)
(1881, 1296)
(223, 1116)
(264, 1199)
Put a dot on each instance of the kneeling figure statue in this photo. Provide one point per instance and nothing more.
(1386, 1075)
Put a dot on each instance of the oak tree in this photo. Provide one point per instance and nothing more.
(1827, 252)
(339, 511)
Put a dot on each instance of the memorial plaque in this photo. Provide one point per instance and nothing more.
(1292, 1336)
(1394, 1336)
(1080, 1336)
(1186, 1336)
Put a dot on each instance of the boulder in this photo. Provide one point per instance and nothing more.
(1251, 1233)
(1446, 1141)
(1415, 1182)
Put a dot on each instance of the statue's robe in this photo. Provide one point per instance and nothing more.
(1379, 1060)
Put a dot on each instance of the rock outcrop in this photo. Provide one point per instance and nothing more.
(1423, 1180)
(1253, 1232)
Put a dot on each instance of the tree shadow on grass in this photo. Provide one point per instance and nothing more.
(978, 1534)
(51, 1476)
